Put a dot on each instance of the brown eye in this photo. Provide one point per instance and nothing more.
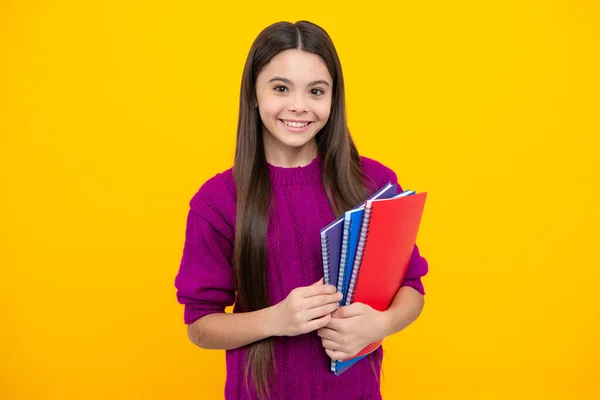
(317, 92)
(280, 89)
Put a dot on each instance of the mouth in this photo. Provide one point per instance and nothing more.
(295, 126)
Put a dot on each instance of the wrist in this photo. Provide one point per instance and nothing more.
(269, 321)
(385, 324)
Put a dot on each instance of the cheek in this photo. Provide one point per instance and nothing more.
(269, 108)
(323, 112)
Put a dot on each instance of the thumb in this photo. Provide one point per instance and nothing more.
(319, 282)
(353, 310)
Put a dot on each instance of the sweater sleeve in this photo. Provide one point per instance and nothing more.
(418, 265)
(205, 281)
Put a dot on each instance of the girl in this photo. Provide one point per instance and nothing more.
(252, 235)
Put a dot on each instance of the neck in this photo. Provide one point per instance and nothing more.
(290, 157)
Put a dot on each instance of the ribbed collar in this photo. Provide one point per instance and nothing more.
(289, 176)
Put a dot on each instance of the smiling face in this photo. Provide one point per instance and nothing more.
(294, 93)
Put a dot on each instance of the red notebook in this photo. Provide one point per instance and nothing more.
(388, 236)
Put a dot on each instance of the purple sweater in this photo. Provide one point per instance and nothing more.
(205, 282)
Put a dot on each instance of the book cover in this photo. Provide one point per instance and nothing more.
(388, 237)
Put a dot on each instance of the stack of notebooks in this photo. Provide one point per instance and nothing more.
(367, 250)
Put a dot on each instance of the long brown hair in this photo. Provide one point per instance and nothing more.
(343, 178)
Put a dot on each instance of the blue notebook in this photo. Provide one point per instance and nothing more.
(360, 245)
(352, 224)
(351, 233)
(331, 243)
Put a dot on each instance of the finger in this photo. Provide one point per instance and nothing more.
(317, 301)
(337, 355)
(336, 324)
(318, 312)
(327, 333)
(319, 282)
(352, 310)
(315, 290)
(317, 323)
(331, 345)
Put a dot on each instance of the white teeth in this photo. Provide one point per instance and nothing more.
(296, 124)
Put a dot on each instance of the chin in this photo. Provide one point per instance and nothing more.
(294, 142)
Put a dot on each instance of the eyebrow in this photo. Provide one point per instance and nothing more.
(313, 83)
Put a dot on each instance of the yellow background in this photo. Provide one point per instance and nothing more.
(112, 114)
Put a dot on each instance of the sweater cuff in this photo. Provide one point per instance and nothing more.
(415, 284)
(195, 311)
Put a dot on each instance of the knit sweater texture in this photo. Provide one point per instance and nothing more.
(205, 280)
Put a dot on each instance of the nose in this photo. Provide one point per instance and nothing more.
(298, 104)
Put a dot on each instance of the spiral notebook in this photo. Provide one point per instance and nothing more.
(352, 223)
(387, 239)
(331, 241)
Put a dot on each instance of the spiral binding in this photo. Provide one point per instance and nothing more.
(325, 254)
(326, 258)
(364, 234)
(343, 256)
(344, 253)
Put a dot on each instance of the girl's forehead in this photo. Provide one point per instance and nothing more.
(296, 65)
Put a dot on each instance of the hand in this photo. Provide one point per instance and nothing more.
(350, 330)
(306, 309)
